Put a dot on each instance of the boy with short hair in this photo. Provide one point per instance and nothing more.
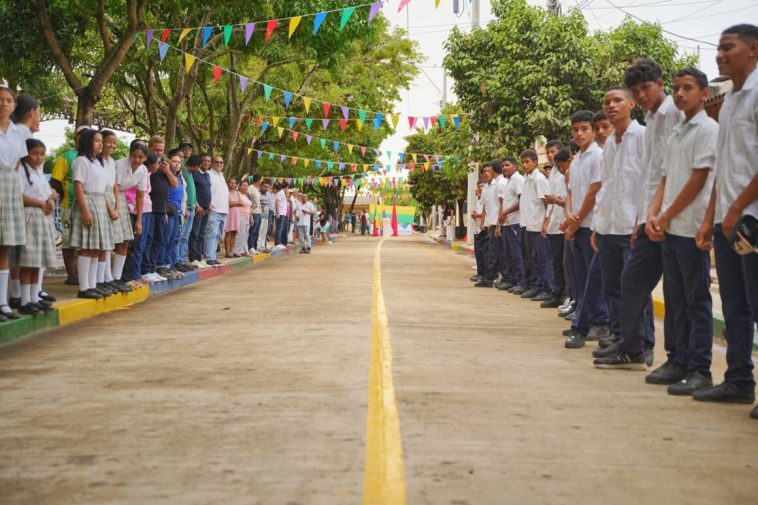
(555, 216)
(476, 226)
(489, 220)
(510, 219)
(735, 197)
(533, 209)
(602, 127)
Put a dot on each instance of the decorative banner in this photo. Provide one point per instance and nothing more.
(294, 160)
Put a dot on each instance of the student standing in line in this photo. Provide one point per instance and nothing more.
(131, 176)
(166, 263)
(91, 230)
(735, 199)
(497, 192)
(558, 157)
(39, 205)
(511, 231)
(145, 238)
(254, 194)
(490, 219)
(160, 182)
(602, 127)
(533, 212)
(113, 205)
(476, 226)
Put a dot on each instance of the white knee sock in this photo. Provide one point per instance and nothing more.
(4, 275)
(93, 272)
(100, 271)
(40, 278)
(34, 295)
(108, 276)
(26, 293)
(118, 266)
(15, 288)
(82, 267)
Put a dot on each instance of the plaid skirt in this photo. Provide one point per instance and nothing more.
(12, 226)
(99, 236)
(39, 250)
(122, 228)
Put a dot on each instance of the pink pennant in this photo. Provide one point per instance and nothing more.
(363, 151)
(403, 3)
(426, 157)
(412, 121)
(295, 135)
(293, 160)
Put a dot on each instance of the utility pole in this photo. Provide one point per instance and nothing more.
(554, 7)
(475, 13)
(473, 176)
(444, 87)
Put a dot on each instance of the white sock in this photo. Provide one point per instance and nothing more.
(100, 271)
(34, 295)
(82, 267)
(40, 278)
(15, 288)
(108, 273)
(118, 266)
(4, 275)
(93, 272)
(26, 290)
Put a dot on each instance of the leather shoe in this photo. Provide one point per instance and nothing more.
(475, 278)
(606, 341)
(483, 284)
(519, 290)
(567, 332)
(503, 286)
(597, 332)
(667, 373)
(530, 293)
(725, 392)
(551, 304)
(690, 384)
(542, 297)
(574, 341)
(606, 351)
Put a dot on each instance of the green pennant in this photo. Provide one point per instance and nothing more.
(362, 115)
(308, 123)
(323, 143)
(267, 91)
(441, 121)
(271, 156)
(346, 13)
(330, 164)
(227, 34)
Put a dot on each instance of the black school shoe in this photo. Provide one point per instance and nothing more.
(89, 294)
(606, 341)
(120, 287)
(44, 306)
(574, 341)
(6, 311)
(552, 303)
(754, 412)
(687, 386)
(667, 373)
(597, 332)
(14, 303)
(43, 295)
(483, 284)
(607, 351)
(725, 392)
(503, 286)
(29, 309)
(621, 361)
(475, 278)
(519, 290)
(530, 293)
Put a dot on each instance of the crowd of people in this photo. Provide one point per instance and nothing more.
(593, 232)
(150, 217)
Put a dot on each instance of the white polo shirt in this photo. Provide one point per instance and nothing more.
(91, 174)
(618, 200)
(557, 213)
(491, 203)
(658, 128)
(586, 169)
(126, 178)
(478, 208)
(737, 150)
(219, 192)
(36, 185)
(691, 146)
(12, 146)
(304, 219)
(513, 189)
(533, 200)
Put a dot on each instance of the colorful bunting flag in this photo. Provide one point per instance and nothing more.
(243, 83)
(327, 107)
(307, 103)
(375, 8)
(165, 35)
(185, 32)
(216, 73)
(162, 50)
(189, 59)
(292, 121)
(267, 92)
(249, 29)
(308, 123)
(403, 4)
(149, 37)
(207, 31)
(287, 99)
(317, 21)
(346, 13)
(270, 27)
(227, 34)
(294, 22)
(325, 123)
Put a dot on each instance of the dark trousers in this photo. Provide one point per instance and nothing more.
(491, 256)
(132, 263)
(141, 246)
(501, 266)
(480, 247)
(640, 276)
(556, 246)
(280, 235)
(197, 236)
(525, 256)
(568, 270)
(687, 270)
(169, 241)
(514, 261)
(150, 259)
(539, 257)
(252, 234)
(613, 253)
(588, 280)
(739, 303)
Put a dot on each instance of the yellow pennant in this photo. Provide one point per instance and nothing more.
(275, 120)
(293, 24)
(306, 162)
(184, 33)
(350, 148)
(307, 103)
(359, 124)
(414, 158)
(436, 3)
(188, 61)
(280, 130)
(395, 118)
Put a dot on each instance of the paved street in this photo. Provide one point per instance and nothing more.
(252, 388)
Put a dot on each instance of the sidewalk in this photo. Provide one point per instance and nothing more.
(719, 328)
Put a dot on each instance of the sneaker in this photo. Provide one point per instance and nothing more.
(568, 310)
(687, 386)
(43, 295)
(530, 293)
(483, 284)
(542, 297)
(180, 268)
(159, 278)
(89, 294)
(571, 316)
(667, 373)
(597, 332)
(29, 309)
(190, 267)
(725, 392)
(204, 264)
(607, 351)
(606, 341)
(252, 251)
(621, 361)
(567, 303)
(519, 290)
(551, 303)
(14, 303)
(147, 277)
(574, 341)
(213, 263)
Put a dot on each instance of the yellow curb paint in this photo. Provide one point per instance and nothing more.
(659, 309)
(384, 471)
(261, 257)
(72, 311)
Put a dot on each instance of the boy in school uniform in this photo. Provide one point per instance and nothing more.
(476, 225)
(675, 215)
(498, 190)
(735, 197)
(602, 127)
(584, 184)
(551, 230)
(510, 219)
(617, 203)
(491, 207)
(533, 211)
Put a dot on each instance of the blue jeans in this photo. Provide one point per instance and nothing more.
(303, 233)
(167, 252)
(142, 244)
(252, 234)
(152, 258)
(280, 236)
(213, 233)
(182, 253)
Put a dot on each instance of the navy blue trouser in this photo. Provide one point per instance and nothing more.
(501, 266)
(556, 246)
(588, 280)
(613, 253)
(538, 258)
(280, 234)
(252, 234)
(479, 249)
(640, 276)
(687, 270)
(525, 257)
(490, 255)
(568, 270)
(150, 259)
(513, 259)
(739, 303)
(197, 236)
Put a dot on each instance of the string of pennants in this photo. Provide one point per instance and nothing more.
(342, 165)
(367, 181)
(327, 107)
(329, 144)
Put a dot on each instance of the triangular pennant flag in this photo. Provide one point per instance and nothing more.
(353, 167)
(457, 122)
(264, 126)
(318, 165)
(287, 99)
(341, 166)
(318, 20)
(415, 158)
(359, 124)
(325, 123)
(327, 107)
(270, 27)
(346, 13)
(345, 112)
(185, 32)
(259, 153)
(293, 160)
(162, 50)
(343, 124)
(295, 135)
(306, 162)
(282, 157)
(363, 150)
(267, 91)
(165, 35)
(323, 143)
(400, 156)
(377, 122)
(308, 139)
(375, 8)
(217, 73)
(249, 29)
(362, 115)
(442, 122)
(149, 37)
(350, 148)
(330, 164)
(280, 130)
(433, 120)
(271, 156)
(243, 83)
(426, 122)
(426, 157)
(292, 121)
(308, 123)
(403, 3)
(207, 31)
(412, 121)
(389, 155)
(436, 3)
(395, 118)
(437, 159)
(307, 103)
(189, 59)
(227, 34)
(336, 145)
(294, 22)
(275, 120)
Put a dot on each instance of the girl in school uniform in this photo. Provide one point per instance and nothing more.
(131, 176)
(113, 204)
(91, 229)
(12, 227)
(39, 205)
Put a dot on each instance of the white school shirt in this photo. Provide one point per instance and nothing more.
(304, 219)
(12, 147)
(491, 204)
(658, 128)
(110, 171)
(557, 183)
(91, 174)
(586, 169)
(24, 132)
(737, 151)
(126, 178)
(692, 145)
(280, 201)
(513, 189)
(532, 200)
(618, 201)
(479, 209)
(39, 188)
(219, 192)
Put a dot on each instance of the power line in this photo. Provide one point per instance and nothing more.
(687, 18)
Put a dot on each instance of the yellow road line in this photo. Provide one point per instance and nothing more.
(384, 472)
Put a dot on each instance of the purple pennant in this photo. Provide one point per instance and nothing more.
(259, 153)
(282, 157)
(402, 166)
(345, 112)
(437, 158)
(341, 166)
(243, 83)
(149, 37)
(426, 122)
(308, 139)
(375, 8)
(249, 29)
(325, 123)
